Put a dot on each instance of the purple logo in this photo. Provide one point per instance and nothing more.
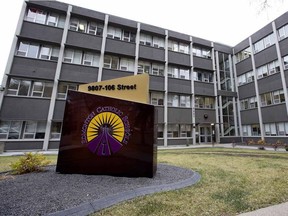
(105, 131)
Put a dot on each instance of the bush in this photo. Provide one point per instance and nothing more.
(29, 163)
(286, 147)
(261, 142)
(278, 144)
(251, 142)
(261, 148)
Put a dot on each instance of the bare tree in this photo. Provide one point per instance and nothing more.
(264, 5)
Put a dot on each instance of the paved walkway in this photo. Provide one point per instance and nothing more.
(276, 210)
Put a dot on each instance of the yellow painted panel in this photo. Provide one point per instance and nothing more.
(132, 88)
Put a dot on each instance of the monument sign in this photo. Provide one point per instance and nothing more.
(106, 135)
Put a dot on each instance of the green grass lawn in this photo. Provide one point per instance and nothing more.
(233, 181)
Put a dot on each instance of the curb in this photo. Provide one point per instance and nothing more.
(105, 202)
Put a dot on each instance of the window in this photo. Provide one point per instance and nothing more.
(185, 101)
(255, 130)
(36, 15)
(203, 76)
(253, 102)
(78, 25)
(22, 129)
(268, 69)
(245, 78)
(49, 53)
(172, 130)
(177, 72)
(144, 67)
(249, 103)
(157, 98)
(63, 89)
(44, 17)
(244, 104)
(95, 29)
(128, 36)
(244, 54)
(158, 42)
(80, 57)
(201, 52)
(146, 39)
(282, 128)
(33, 50)
(119, 34)
(34, 130)
(275, 97)
(285, 62)
(19, 87)
(42, 89)
(56, 129)
(28, 49)
(157, 69)
(204, 102)
(111, 62)
(160, 133)
(91, 59)
(247, 131)
(264, 43)
(178, 47)
(185, 130)
(173, 100)
(127, 64)
(10, 129)
(283, 32)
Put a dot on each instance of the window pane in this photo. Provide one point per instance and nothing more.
(40, 132)
(33, 51)
(77, 57)
(24, 88)
(48, 90)
(15, 128)
(45, 52)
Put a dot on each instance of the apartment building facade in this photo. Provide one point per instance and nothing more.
(203, 91)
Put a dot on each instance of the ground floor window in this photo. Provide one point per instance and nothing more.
(22, 129)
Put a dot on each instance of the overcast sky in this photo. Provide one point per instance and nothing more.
(225, 21)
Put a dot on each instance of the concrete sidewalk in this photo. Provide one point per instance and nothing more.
(276, 210)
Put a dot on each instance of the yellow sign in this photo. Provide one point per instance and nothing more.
(132, 88)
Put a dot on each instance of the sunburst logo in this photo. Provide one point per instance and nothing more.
(106, 131)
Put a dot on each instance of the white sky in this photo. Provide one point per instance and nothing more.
(225, 21)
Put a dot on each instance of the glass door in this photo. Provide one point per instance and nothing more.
(205, 134)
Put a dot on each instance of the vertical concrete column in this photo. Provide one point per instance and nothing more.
(166, 90)
(256, 89)
(56, 78)
(101, 60)
(237, 101)
(280, 60)
(137, 48)
(215, 61)
(12, 51)
(192, 92)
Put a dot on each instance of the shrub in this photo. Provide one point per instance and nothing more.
(261, 148)
(29, 163)
(261, 142)
(277, 144)
(286, 147)
(250, 142)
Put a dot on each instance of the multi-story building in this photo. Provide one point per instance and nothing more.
(201, 89)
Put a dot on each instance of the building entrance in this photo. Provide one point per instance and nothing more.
(205, 134)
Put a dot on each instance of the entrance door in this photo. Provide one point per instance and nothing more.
(205, 134)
